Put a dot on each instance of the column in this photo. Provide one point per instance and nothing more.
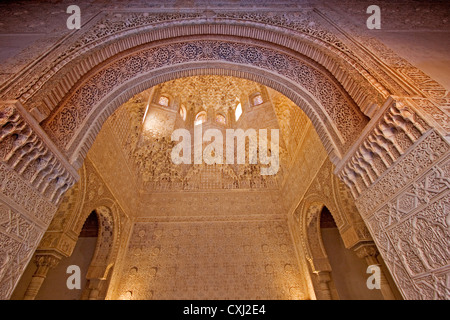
(230, 118)
(369, 253)
(94, 288)
(323, 279)
(44, 263)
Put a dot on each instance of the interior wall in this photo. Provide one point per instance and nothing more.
(417, 31)
(417, 55)
(219, 259)
(108, 157)
(307, 162)
(428, 53)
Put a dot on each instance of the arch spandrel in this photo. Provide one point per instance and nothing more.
(114, 31)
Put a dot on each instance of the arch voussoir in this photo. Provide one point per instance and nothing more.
(333, 113)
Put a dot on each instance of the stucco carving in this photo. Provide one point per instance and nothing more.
(25, 149)
(120, 25)
(34, 175)
(404, 203)
(414, 225)
(183, 260)
(397, 169)
(65, 123)
(396, 130)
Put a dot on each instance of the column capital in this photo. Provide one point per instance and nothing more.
(323, 276)
(369, 252)
(323, 291)
(45, 262)
(366, 251)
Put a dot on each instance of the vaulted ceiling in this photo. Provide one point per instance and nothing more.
(149, 156)
(209, 91)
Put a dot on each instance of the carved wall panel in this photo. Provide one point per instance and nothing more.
(411, 228)
(326, 190)
(307, 161)
(395, 73)
(109, 160)
(211, 260)
(33, 177)
(405, 205)
(320, 188)
(236, 203)
(88, 194)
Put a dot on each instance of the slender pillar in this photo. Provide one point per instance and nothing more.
(44, 263)
(230, 118)
(94, 288)
(369, 253)
(324, 291)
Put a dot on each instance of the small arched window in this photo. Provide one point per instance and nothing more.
(183, 112)
(238, 111)
(221, 119)
(163, 101)
(200, 118)
(257, 99)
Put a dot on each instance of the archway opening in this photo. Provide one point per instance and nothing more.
(84, 97)
(229, 223)
(133, 157)
(347, 270)
(308, 85)
(55, 286)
